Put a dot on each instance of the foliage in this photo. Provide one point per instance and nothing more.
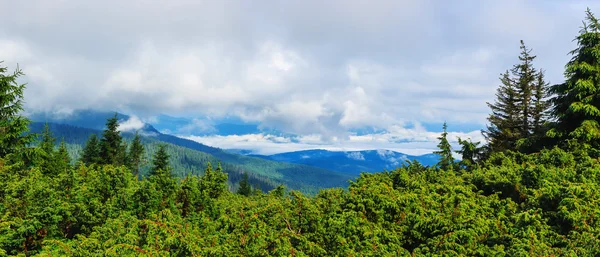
(577, 101)
(111, 149)
(445, 152)
(12, 124)
(519, 113)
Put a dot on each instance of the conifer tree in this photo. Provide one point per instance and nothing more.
(12, 125)
(47, 147)
(61, 159)
(520, 106)
(525, 79)
(245, 189)
(278, 192)
(91, 151)
(111, 143)
(503, 130)
(134, 156)
(213, 182)
(48, 141)
(160, 163)
(470, 153)
(576, 104)
(541, 105)
(446, 160)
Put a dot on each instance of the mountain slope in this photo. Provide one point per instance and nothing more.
(352, 162)
(190, 157)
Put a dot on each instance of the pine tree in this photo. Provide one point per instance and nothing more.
(134, 156)
(245, 189)
(525, 79)
(48, 141)
(160, 163)
(12, 125)
(61, 159)
(446, 160)
(47, 147)
(91, 151)
(519, 110)
(470, 153)
(576, 104)
(541, 104)
(213, 182)
(111, 143)
(503, 131)
(278, 192)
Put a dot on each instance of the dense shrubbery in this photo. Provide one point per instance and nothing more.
(513, 205)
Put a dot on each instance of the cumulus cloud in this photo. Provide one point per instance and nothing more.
(355, 156)
(313, 69)
(413, 141)
(132, 124)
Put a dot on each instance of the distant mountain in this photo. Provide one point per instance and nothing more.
(352, 162)
(190, 157)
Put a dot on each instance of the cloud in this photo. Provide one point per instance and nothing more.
(314, 69)
(413, 141)
(355, 156)
(132, 124)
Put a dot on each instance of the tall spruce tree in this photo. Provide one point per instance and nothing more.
(160, 163)
(518, 113)
(525, 78)
(245, 189)
(91, 151)
(134, 156)
(503, 129)
(446, 160)
(111, 148)
(576, 104)
(48, 141)
(541, 104)
(61, 159)
(12, 125)
(47, 147)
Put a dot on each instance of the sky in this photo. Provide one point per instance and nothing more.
(317, 70)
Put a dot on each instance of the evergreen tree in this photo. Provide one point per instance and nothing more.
(61, 159)
(503, 130)
(446, 160)
(541, 105)
(48, 141)
(111, 143)
(160, 163)
(525, 78)
(245, 189)
(576, 104)
(12, 125)
(136, 151)
(470, 153)
(91, 151)
(213, 182)
(520, 106)
(47, 147)
(278, 192)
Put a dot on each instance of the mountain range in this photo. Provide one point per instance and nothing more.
(351, 162)
(307, 170)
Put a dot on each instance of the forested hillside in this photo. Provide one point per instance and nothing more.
(532, 189)
(189, 157)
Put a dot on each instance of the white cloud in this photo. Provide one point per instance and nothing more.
(316, 70)
(413, 141)
(132, 124)
(356, 156)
